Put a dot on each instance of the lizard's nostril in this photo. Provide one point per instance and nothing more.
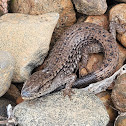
(25, 94)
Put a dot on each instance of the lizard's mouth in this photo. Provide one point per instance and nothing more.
(27, 96)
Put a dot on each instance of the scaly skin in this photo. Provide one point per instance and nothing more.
(63, 60)
(3, 6)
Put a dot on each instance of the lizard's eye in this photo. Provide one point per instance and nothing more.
(124, 69)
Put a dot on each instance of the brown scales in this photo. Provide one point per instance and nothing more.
(77, 42)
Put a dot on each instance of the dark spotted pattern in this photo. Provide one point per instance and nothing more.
(67, 52)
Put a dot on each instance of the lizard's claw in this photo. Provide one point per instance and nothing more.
(68, 92)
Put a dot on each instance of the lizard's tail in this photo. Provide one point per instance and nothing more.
(111, 56)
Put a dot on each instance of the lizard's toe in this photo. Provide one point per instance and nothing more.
(68, 92)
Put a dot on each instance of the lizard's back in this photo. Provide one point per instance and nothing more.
(67, 51)
(65, 56)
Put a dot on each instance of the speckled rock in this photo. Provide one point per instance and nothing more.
(122, 56)
(119, 93)
(91, 7)
(121, 120)
(118, 15)
(6, 71)
(105, 96)
(122, 38)
(3, 104)
(83, 110)
(63, 7)
(27, 38)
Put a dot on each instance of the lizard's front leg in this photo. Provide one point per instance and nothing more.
(69, 80)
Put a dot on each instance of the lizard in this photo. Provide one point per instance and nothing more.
(74, 46)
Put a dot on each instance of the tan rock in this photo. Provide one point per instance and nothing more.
(122, 56)
(91, 7)
(122, 38)
(63, 7)
(106, 99)
(118, 15)
(101, 20)
(121, 120)
(27, 38)
(119, 93)
(94, 62)
(13, 93)
(118, 12)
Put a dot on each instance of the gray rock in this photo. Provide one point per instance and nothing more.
(6, 71)
(27, 38)
(91, 7)
(3, 104)
(83, 110)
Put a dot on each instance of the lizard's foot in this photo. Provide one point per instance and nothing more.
(68, 91)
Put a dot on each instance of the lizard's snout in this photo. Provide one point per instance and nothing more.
(25, 94)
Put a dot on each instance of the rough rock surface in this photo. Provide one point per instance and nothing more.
(27, 38)
(63, 7)
(121, 120)
(3, 104)
(83, 110)
(6, 71)
(122, 56)
(122, 38)
(119, 93)
(91, 7)
(118, 15)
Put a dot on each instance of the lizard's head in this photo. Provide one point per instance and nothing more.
(37, 85)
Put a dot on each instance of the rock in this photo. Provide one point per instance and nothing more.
(63, 7)
(13, 93)
(91, 7)
(27, 38)
(101, 20)
(121, 120)
(54, 110)
(106, 99)
(3, 103)
(6, 71)
(122, 38)
(19, 100)
(94, 62)
(118, 15)
(122, 56)
(3, 7)
(119, 93)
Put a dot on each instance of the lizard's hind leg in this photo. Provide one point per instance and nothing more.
(69, 80)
